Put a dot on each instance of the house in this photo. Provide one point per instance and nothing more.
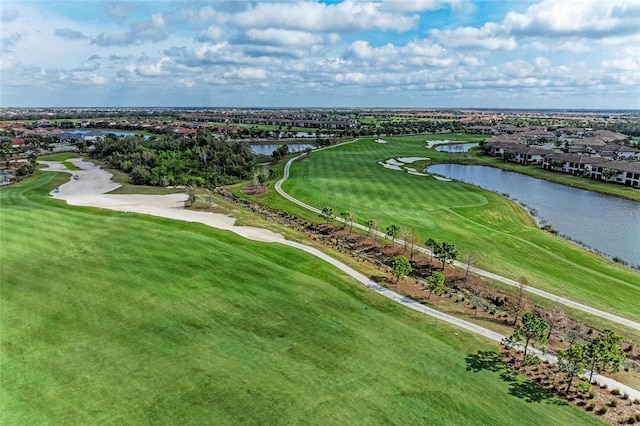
(66, 124)
(17, 142)
(525, 154)
(623, 172)
(570, 163)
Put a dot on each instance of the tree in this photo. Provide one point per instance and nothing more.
(411, 238)
(369, 223)
(327, 214)
(533, 328)
(571, 361)
(374, 227)
(557, 319)
(445, 252)
(604, 353)
(349, 217)
(470, 258)
(401, 267)
(517, 305)
(431, 245)
(435, 282)
(392, 232)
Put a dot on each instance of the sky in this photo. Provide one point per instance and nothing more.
(565, 54)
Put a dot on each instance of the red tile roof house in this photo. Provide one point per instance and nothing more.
(17, 142)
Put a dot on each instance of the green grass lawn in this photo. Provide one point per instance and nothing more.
(118, 318)
(504, 237)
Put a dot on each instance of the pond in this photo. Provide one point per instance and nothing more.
(605, 224)
(267, 149)
(456, 147)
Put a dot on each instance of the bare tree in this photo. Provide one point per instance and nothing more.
(411, 238)
(517, 306)
(375, 225)
(557, 319)
(470, 258)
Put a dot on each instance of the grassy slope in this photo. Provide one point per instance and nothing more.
(505, 238)
(120, 318)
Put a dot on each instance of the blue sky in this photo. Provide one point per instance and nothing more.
(421, 53)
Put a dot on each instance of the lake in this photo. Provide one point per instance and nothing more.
(609, 225)
(269, 148)
(456, 147)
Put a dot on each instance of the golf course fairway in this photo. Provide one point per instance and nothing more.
(503, 237)
(121, 318)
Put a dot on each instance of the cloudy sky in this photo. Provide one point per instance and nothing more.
(396, 53)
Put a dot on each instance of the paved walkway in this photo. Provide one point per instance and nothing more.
(597, 312)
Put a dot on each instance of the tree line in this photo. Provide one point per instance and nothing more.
(205, 161)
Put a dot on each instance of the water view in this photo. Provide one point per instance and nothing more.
(269, 148)
(606, 224)
(456, 147)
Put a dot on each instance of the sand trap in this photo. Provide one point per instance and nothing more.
(93, 184)
(417, 173)
(412, 159)
(390, 166)
(441, 178)
(381, 141)
(394, 162)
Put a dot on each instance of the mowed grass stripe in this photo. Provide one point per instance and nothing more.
(504, 236)
(155, 321)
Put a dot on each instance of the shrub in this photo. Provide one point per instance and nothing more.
(584, 387)
(615, 391)
(613, 402)
(602, 410)
(530, 359)
(631, 420)
(591, 406)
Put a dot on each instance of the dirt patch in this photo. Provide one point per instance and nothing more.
(609, 406)
(254, 189)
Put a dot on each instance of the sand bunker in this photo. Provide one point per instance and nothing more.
(381, 141)
(386, 165)
(93, 183)
(412, 159)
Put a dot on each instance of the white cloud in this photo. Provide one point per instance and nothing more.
(347, 16)
(156, 69)
(279, 37)
(624, 64)
(420, 5)
(490, 37)
(213, 33)
(415, 53)
(247, 74)
(588, 18)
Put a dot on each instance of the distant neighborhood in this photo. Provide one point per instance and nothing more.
(595, 154)
(584, 144)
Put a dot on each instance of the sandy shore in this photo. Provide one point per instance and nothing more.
(93, 184)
